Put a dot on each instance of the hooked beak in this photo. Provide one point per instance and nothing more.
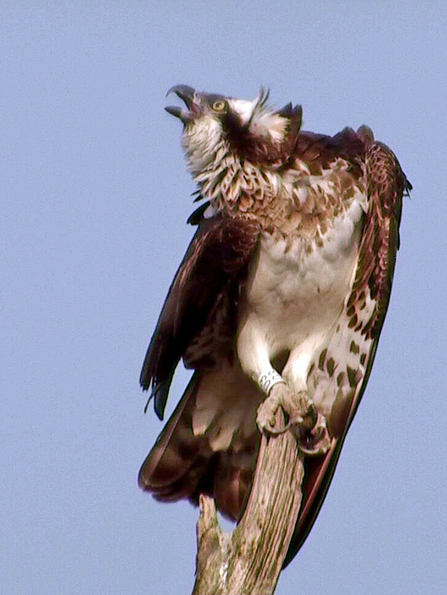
(189, 96)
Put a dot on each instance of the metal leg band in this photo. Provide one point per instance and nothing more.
(268, 380)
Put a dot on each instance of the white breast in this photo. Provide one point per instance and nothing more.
(295, 296)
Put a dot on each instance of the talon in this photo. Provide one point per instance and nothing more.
(293, 405)
(316, 440)
(274, 431)
(266, 416)
(308, 425)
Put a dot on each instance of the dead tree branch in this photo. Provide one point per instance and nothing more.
(249, 560)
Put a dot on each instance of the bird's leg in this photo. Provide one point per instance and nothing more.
(302, 417)
(308, 425)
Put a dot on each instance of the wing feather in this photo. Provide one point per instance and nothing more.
(216, 259)
(343, 367)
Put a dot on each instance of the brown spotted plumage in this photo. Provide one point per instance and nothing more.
(281, 296)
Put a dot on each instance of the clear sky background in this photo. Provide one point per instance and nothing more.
(94, 201)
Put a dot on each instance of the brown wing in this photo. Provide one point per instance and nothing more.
(215, 261)
(318, 151)
(344, 366)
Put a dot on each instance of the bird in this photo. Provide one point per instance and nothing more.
(278, 303)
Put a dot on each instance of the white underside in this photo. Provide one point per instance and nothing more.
(294, 299)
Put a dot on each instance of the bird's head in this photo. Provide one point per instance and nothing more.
(216, 127)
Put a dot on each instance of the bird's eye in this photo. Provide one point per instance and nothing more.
(220, 106)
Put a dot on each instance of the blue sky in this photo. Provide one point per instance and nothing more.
(95, 196)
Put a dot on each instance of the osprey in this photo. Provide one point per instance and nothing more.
(279, 301)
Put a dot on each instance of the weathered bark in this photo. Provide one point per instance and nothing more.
(249, 560)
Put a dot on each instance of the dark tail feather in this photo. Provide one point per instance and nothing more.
(205, 447)
(171, 468)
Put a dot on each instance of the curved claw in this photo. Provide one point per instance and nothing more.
(268, 429)
(315, 441)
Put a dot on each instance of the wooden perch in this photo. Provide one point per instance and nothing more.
(249, 560)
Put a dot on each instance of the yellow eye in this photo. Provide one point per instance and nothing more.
(220, 106)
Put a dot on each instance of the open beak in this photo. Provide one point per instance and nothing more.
(189, 96)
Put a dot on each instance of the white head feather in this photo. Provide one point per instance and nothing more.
(262, 119)
(204, 141)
